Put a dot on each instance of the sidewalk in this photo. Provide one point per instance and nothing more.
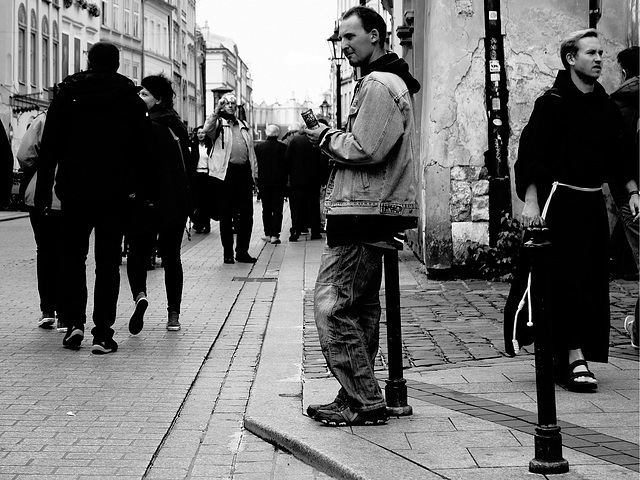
(474, 410)
(189, 404)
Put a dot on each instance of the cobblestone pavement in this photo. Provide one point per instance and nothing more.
(448, 323)
(167, 405)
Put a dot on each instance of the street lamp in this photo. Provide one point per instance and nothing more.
(324, 108)
(337, 59)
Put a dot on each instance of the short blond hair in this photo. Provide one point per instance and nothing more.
(569, 44)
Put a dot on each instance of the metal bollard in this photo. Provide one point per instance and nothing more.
(548, 440)
(395, 388)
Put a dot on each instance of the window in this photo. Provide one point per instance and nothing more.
(65, 56)
(33, 35)
(127, 17)
(45, 52)
(104, 14)
(22, 44)
(76, 55)
(136, 68)
(136, 18)
(116, 14)
(54, 54)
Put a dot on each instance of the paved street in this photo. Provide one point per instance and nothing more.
(223, 398)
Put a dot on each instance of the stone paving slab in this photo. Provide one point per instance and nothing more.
(481, 421)
(166, 405)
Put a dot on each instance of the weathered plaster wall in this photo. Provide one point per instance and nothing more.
(453, 111)
(533, 32)
(454, 128)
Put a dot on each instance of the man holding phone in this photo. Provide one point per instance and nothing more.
(371, 196)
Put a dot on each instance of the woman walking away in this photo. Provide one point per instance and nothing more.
(166, 207)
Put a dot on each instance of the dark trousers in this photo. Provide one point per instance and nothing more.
(206, 200)
(304, 202)
(272, 198)
(236, 209)
(169, 244)
(108, 226)
(47, 232)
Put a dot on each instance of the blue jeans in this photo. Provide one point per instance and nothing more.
(347, 313)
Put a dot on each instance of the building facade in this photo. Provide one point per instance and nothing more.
(226, 72)
(41, 42)
(44, 41)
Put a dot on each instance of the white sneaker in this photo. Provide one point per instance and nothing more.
(47, 320)
(628, 326)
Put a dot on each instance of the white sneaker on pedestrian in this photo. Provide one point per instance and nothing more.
(628, 326)
(47, 320)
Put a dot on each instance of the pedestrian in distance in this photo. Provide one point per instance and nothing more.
(570, 147)
(371, 196)
(6, 168)
(304, 165)
(627, 99)
(95, 135)
(201, 147)
(47, 228)
(234, 164)
(272, 182)
(167, 205)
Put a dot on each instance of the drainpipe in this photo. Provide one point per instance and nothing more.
(496, 160)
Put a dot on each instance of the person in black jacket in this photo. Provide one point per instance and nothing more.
(305, 167)
(571, 146)
(626, 97)
(6, 168)
(94, 134)
(168, 203)
(272, 182)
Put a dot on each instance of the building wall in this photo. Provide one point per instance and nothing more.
(449, 36)
(56, 38)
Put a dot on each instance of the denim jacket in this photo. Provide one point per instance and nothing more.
(374, 162)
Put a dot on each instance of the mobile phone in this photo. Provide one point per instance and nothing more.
(310, 119)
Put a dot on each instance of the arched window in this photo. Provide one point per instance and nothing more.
(33, 35)
(55, 53)
(45, 52)
(22, 44)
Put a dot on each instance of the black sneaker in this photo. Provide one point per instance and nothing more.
(104, 347)
(334, 406)
(173, 323)
(73, 338)
(136, 322)
(245, 258)
(347, 417)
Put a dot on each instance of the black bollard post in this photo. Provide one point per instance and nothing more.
(548, 440)
(395, 388)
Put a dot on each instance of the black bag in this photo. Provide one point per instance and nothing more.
(518, 325)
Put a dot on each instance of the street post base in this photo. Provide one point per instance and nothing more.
(396, 397)
(548, 451)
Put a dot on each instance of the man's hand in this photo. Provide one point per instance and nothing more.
(314, 135)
